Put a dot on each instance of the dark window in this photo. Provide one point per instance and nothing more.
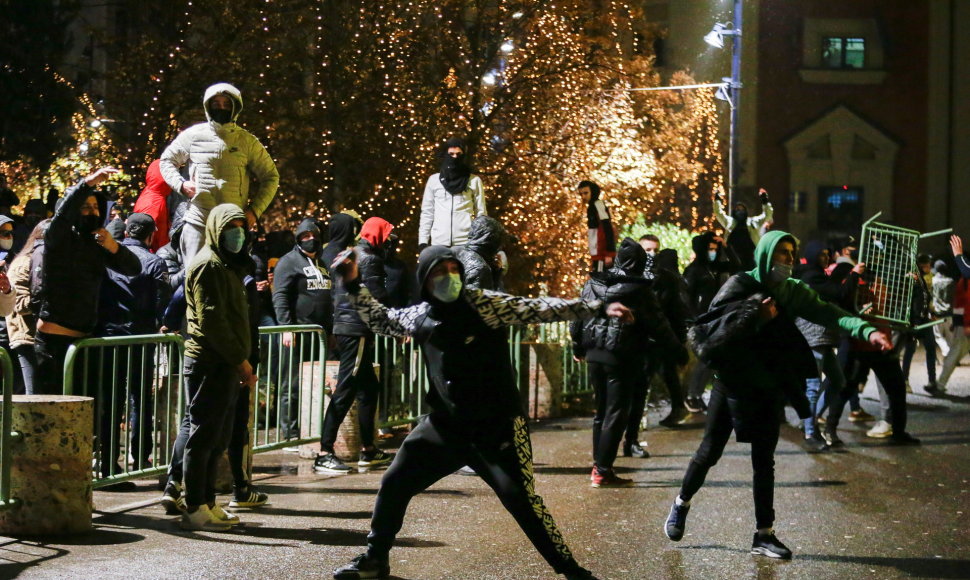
(840, 52)
(840, 209)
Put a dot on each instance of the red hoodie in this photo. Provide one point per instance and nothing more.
(376, 230)
(153, 200)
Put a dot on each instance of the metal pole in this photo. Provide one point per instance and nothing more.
(735, 92)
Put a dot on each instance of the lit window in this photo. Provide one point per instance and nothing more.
(842, 53)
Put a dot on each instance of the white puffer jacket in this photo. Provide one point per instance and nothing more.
(221, 159)
(446, 218)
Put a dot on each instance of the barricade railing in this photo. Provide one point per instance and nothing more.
(136, 384)
(289, 404)
(7, 435)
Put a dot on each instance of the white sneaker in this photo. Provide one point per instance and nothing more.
(224, 516)
(881, 430)
(203, 520)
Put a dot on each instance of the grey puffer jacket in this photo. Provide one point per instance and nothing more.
(220, 159)
(478, 256)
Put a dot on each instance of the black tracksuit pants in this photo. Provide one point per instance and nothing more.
(613, 386)
(638, 400)
(363, 386)
(499, 451)
(211, 391)
(716, 434)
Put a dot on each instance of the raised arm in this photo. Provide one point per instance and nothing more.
(498, 309)
(379, 318)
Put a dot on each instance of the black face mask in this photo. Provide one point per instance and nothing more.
(221, 116)
(740, 216)
(89, 223)
(310, 245)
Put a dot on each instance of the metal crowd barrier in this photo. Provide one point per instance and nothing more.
(288, 407)
(136, 383)
(6, 435)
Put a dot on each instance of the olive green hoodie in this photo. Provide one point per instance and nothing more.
(216, 305)
(796, 298)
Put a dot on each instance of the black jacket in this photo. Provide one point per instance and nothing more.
(607, 340)
(485, 239)
(704, 277)
(759, 365)
(74, 265)
(343, 230)
(370, 262)
(302, 287)
(134, 304)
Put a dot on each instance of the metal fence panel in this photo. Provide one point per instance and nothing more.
(7, 436)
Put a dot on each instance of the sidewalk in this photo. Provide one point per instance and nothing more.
(871, 512)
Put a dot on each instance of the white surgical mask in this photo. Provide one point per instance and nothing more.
(779, 272)
(446, 287)
(712, 256)
(6, 243)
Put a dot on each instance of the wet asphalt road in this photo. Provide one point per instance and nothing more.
(872, 511)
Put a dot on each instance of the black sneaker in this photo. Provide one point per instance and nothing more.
(676, 521)
(814, 445)
(635, 450)
(247, 498)
(903, 439)
(374, 458)
(363, 566)
(933, 390)
(328, 463)
(766, 544)
(832, 438)
(172, 500)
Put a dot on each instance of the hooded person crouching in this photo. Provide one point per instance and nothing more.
(750, 339)
(476, 417)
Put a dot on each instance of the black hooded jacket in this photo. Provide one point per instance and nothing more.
(74, 265)
(301, 285)
(343, 234)
(485, 239)
(607, 340)
(704, 277)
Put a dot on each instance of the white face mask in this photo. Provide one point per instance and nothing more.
(779, 272)
(6, 243)
(712, 256)
(446, 287)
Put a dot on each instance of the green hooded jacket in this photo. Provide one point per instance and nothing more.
(216, 305)
(797, 299)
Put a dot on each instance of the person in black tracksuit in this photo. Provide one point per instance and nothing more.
(301, 295)
(476, 418)
(356, 378)
(616, 353)
(705, 275)
(671, 292)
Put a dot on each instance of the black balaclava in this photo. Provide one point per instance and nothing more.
(455, 172)
(631, 259)
(740, 238)
(740, 214)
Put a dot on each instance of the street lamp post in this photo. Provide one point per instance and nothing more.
(733, 94)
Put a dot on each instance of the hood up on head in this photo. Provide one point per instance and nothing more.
(343, 229)
(376, 231)
(308, 225)
(764, 251)
(486, 236)
(220, 216)
(812, 250)
(630, 258)
(700, 244)
(223, 89)
(429, 258)
(667, 259)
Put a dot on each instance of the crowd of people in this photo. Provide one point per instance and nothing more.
(771, 322)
